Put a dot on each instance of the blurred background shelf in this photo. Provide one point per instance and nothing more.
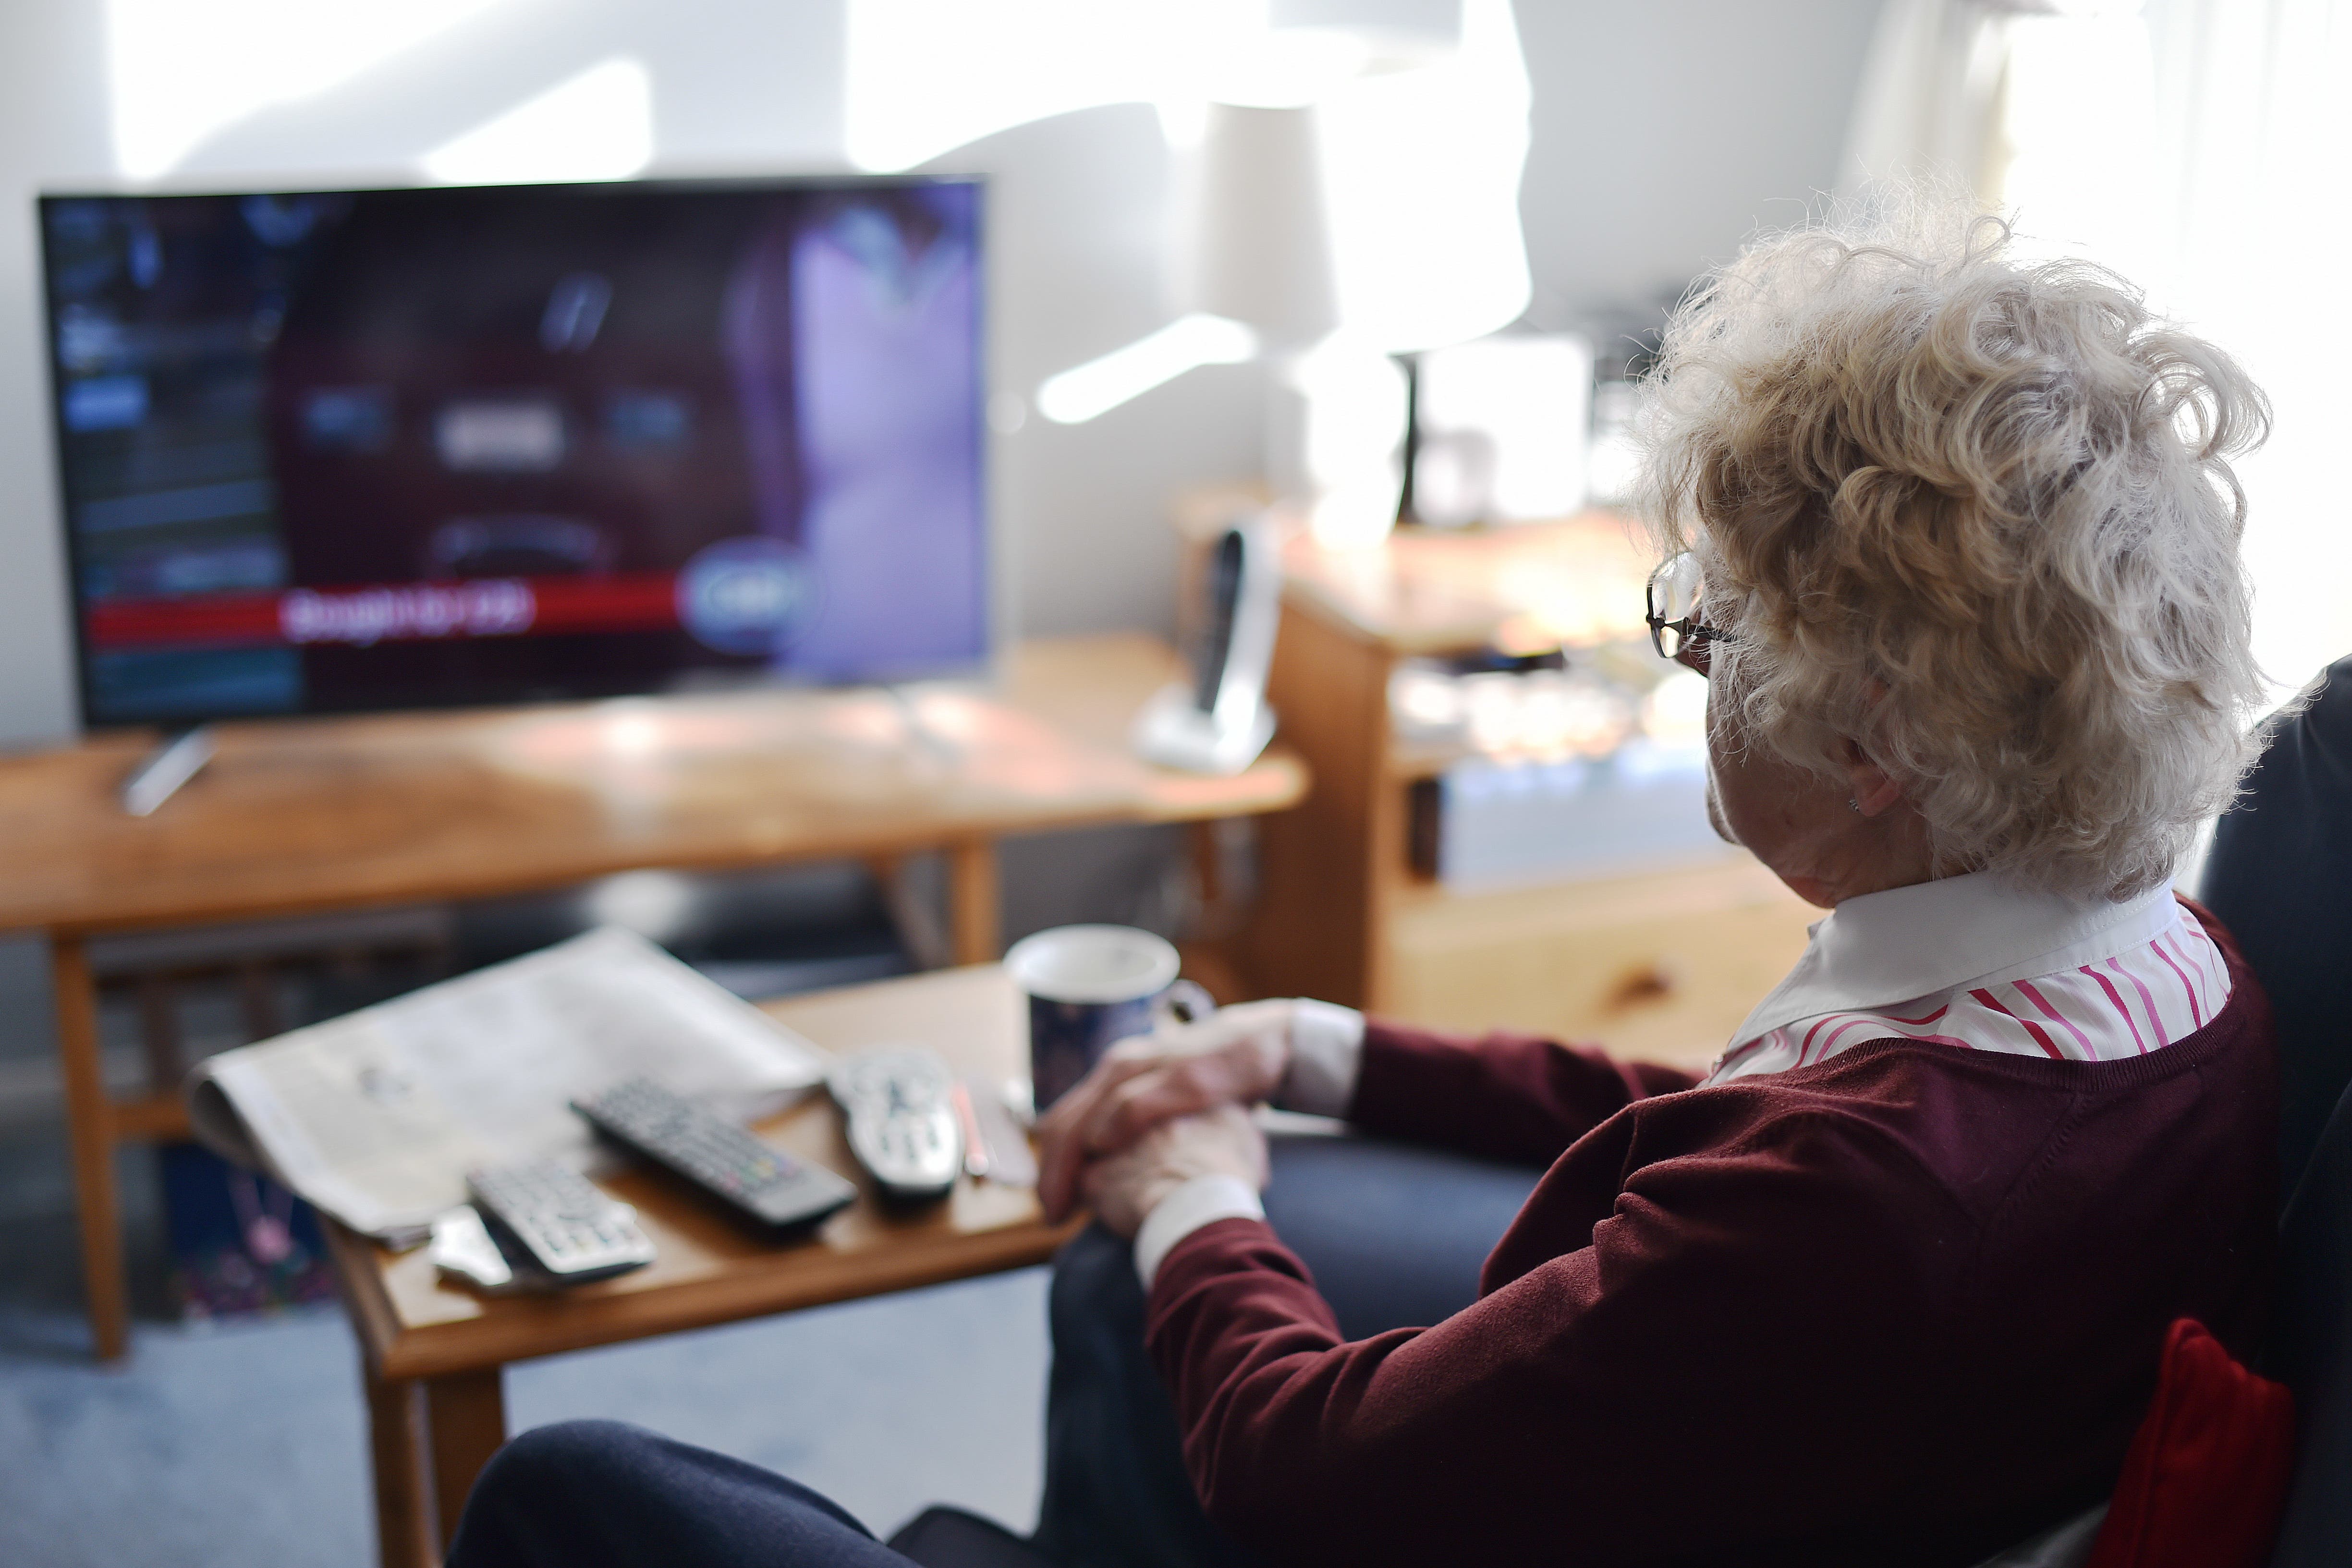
(1660, 954)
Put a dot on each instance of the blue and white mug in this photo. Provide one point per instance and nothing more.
(1091, 986)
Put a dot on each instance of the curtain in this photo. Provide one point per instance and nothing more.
(1929, 106)
(2201, 148)
(2249, 235)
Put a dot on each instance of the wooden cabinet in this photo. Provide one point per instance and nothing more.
(1664, 963)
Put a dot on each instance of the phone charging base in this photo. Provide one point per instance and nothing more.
(1175, 733)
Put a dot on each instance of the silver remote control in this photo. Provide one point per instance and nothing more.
(570, 1229)
(903, 1127)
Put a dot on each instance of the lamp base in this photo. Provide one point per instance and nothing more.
(1336, 422)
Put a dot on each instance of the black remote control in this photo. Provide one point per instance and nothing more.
(714, 1154)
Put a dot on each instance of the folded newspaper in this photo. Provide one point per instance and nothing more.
(375, 1116)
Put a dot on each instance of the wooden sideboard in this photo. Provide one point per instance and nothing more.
(1662, 964)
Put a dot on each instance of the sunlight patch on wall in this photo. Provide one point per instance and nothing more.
(597, 126)
(1085, 391)
(178, 72)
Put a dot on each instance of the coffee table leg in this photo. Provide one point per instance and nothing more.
(397, 1445)
(466, 1420)
(974, 900)
(89, 1122)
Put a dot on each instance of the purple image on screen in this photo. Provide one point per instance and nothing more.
(888, 368)
(713, 432)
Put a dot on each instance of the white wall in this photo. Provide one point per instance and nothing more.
(1664, 132)
(1667, 130)
(53, 128)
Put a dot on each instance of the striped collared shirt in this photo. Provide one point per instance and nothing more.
(1970, 962)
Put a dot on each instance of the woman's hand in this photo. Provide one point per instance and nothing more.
(1130, 1183)
(1235, 1056)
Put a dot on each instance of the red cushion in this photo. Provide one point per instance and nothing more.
(2206, 1479)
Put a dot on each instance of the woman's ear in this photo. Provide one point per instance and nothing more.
(1874, 789)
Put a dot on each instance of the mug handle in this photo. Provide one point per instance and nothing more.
(1183, 1001)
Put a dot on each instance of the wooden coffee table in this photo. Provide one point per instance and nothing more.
(434, 1355)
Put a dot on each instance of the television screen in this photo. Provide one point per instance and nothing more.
(335, 451)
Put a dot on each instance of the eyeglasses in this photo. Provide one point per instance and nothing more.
(1675, 632)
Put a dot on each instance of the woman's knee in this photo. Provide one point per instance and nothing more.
(548, 1491)
(566, 1458)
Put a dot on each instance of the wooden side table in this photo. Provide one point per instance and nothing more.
(297, 817)
(1661, 965)
(434, 1355)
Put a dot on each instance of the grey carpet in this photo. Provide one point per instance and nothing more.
(245, 1444)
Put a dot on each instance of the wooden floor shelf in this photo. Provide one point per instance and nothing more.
(1662, 964)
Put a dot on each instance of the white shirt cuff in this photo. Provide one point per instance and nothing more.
(1327, 1051)
(1204, 1200)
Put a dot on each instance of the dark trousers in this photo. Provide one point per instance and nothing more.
(1394, 1236)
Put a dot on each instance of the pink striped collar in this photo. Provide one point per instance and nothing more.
(1882, 949)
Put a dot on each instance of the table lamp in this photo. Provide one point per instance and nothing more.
(1350, 196)
(1355, 197)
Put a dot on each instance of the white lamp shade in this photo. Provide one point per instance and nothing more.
(1260, 229)
(1421, 168)
(1370, 183)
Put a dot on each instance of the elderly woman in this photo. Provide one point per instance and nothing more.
(1954, 539)
(1955, 542)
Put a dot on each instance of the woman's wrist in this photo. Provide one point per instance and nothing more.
(1177, 1213)
(1327, 1051)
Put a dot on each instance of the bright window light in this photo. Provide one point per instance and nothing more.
(597, 126)
(2078, 102)
(925, 76)
(179, 72)
(1086, 392)
(2190, 151)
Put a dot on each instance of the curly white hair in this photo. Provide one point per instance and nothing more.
(1977, 514)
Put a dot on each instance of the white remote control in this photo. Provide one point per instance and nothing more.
(903, 1128)
(571, 1229)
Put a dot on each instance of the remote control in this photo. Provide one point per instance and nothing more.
(462, 1247)
(569, 1227)
(902, 1118)
(714, 1154)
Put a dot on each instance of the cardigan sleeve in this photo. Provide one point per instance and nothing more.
(1501, 1096)
(1607, 1403)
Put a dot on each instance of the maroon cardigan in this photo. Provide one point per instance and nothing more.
(1900, 1307)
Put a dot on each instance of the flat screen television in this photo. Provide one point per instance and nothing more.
(335, 451)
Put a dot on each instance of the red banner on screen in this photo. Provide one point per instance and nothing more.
(362, 617)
